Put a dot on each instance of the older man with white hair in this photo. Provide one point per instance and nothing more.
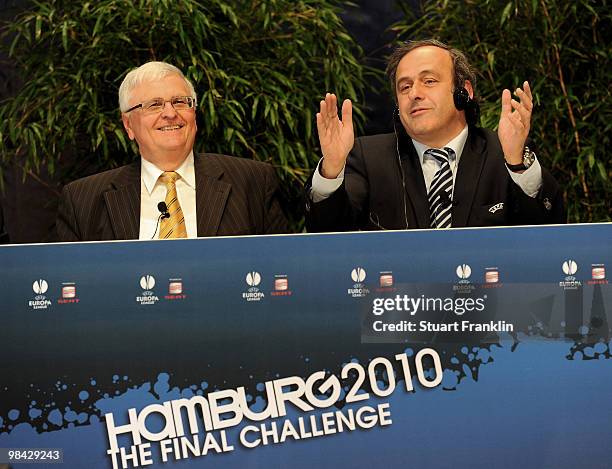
(170, 192)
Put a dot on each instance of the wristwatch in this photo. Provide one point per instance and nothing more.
(528, 159)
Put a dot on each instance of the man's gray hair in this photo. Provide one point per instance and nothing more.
(151, 71)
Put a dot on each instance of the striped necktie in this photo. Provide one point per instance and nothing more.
(174, 225)
(441, 190)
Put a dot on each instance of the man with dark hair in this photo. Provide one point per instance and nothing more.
(437, 170)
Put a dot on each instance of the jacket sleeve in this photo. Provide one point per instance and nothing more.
(66, 225)
(275, 220)
(545, 208)
(344, 210)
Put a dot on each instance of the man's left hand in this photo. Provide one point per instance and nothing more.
(514, 123)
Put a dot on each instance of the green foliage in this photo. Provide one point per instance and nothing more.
(259, 69)
(563, 49)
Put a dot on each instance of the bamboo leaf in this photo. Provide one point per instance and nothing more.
(505, 13)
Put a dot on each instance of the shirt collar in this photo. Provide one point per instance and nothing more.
(150, 173)
(456, 144)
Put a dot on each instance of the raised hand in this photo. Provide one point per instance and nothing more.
(336, 136)
(515, 122)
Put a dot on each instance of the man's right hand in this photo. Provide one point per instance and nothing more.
(336, 136)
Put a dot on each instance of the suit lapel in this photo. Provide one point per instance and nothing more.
(415, 181)
(123, 203)
(211, 195)
(468, 174)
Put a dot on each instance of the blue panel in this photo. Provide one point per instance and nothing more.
(96, 328)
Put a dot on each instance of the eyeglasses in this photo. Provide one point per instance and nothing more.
(156, 105)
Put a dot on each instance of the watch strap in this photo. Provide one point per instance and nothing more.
(516, 167)
(528, 159)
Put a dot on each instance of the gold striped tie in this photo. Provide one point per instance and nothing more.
(173, 226)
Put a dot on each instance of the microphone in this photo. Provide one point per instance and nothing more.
(163, 213)
(163, 208)
(445, 199)
(445, 202)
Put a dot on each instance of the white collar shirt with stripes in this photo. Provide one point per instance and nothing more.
(430, 165)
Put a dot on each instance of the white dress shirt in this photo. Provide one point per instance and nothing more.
(153, 191)
(529, 181)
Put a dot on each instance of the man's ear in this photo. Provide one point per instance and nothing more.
(469, 88)
(128, 127)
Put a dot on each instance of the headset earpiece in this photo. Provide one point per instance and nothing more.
(461, 98)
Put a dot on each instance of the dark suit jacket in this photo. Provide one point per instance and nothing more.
(234, 196)
(384, 188)
(4, 237)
